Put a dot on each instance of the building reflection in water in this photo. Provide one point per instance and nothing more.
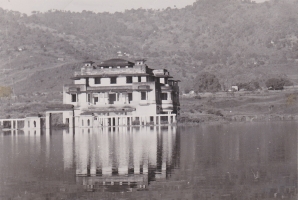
(121, 158)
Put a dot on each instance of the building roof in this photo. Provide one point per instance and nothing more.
(108, 75)
(88, 62)
(116, 62)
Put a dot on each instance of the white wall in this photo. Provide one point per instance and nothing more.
(80, 81)
(143, 79)
(135, 79)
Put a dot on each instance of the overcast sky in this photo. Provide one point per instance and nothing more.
(26, 6)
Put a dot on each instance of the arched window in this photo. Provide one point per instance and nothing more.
(88, 122)
(82, 122)
(34, 123)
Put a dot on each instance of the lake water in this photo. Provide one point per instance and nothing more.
(230, 161)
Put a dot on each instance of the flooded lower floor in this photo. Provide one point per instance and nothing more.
(230, 161)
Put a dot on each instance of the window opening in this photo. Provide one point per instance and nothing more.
(129, 97)
(98, 80)
(129, 79)
(113, 80)
(112, 98)
(164, 96)
(143, 96)
(73, 97)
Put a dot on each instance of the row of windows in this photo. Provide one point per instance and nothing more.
(164, 96)
(113, 80)
(112, 97)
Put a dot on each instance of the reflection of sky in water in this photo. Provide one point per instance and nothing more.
(238, 161)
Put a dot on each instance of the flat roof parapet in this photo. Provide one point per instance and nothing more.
(59, 107)
(115, 62)
(111, 71)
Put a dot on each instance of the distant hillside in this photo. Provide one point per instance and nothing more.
(236, 41)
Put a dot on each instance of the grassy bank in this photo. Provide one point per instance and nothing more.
(239, 106)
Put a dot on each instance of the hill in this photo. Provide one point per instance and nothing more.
(237, 41)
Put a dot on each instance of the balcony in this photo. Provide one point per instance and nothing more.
(74, 88)
(110, 88)
(143, 86)
(166, 87)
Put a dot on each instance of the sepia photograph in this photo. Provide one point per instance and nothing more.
(157, 100)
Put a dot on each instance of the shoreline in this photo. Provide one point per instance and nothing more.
(237, 118)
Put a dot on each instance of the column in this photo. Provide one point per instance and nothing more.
(116, 121)
(71, 119)
(174, 118)
(48, 120)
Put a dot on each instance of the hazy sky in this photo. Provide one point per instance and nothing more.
(26, 6)
(95, 5)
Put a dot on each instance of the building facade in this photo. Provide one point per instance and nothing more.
(131, 92)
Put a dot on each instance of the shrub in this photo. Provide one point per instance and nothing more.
(277, 83)
(206, 82)
(250, 86)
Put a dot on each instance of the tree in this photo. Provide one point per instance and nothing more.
(206, 82)
(276, 83)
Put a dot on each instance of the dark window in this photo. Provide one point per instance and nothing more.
(89, 98)
(129, 79)
(97, 80)
(95, 99)
(129, 97)
(112, 98)
(164, 96)
(113, 80)
(73, 97)
(139, 78)
(143, 96)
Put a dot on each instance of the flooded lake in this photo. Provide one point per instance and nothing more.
(231, 161)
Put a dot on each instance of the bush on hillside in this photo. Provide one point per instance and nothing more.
(277, 83)
(250, 86)
(206, 82)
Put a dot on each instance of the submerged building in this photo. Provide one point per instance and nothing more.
(120, 92)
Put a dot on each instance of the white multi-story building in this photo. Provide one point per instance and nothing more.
(120, 92)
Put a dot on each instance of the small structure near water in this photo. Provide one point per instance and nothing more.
(30, 122)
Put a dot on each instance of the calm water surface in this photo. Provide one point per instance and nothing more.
(232, 161)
